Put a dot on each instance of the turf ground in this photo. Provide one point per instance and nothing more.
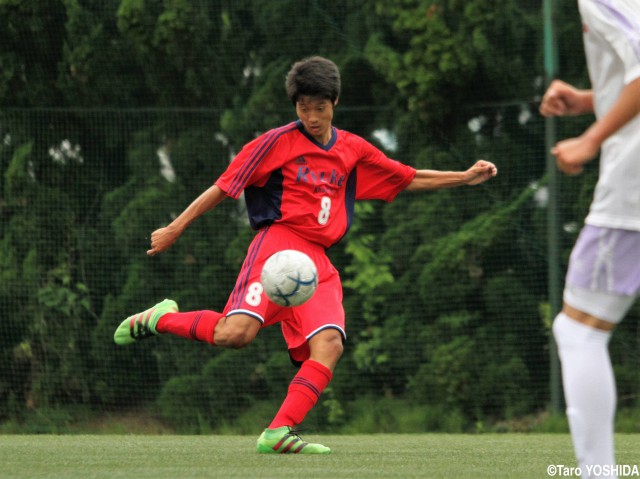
(434, 456)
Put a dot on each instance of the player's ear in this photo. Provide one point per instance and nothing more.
(335, 103)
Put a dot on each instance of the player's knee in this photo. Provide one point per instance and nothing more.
(236, 333)
(238, 340)
(335, 346)
(327, 347)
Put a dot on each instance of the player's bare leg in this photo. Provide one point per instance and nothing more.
(236, 331)
(326, 347)
(305, 388)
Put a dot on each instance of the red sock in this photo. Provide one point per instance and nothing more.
(304, 391)
(194, 325)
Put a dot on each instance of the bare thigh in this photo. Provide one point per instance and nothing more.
(236, 331)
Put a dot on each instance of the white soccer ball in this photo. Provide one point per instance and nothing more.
(289, 277)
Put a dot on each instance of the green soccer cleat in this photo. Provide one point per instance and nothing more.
(284, 440)
(143, 325)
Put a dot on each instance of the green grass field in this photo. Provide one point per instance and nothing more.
(448, 456)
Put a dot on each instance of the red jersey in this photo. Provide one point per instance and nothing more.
(291, 179)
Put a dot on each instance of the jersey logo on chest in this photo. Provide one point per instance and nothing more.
(317, 178)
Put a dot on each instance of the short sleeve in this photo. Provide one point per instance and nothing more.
(619, 23)
(379, 177)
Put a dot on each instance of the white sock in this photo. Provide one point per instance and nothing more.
(589, 390)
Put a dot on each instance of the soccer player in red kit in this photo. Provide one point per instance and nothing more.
(300, 183)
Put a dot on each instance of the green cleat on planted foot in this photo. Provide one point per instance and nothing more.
(143, 325)
(284, 440)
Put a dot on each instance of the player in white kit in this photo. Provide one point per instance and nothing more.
(603, 278)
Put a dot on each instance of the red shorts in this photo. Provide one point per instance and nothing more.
(300, 323)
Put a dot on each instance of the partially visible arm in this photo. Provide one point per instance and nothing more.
(433, 180)
(573, 153)
(163, 238)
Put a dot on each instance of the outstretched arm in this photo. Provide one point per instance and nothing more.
(433, 179)
(163, 238)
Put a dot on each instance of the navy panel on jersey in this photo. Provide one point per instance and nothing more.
(264, 203)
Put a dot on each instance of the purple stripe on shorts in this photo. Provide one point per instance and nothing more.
(242, 282)
(606, 260)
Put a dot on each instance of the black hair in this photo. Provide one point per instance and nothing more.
(316, 77)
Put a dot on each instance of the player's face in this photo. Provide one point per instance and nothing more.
(316, 116)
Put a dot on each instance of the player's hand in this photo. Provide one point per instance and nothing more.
(162, 239)
(562, 99)
(480, 172)
(573, 153)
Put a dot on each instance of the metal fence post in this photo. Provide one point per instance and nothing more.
(553, 226)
